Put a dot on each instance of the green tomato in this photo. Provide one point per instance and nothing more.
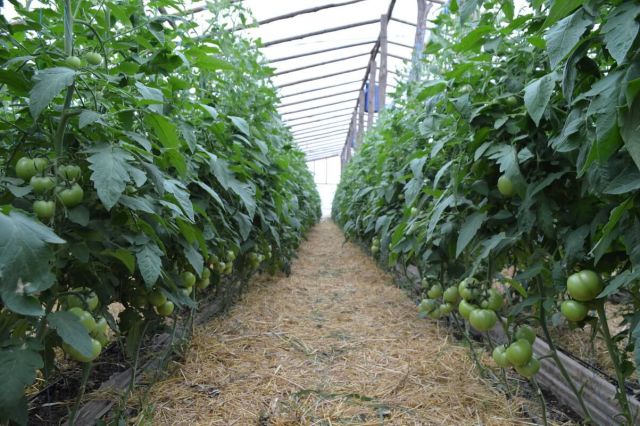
(93, 58)
(40, 163)
(525, 332)
(446, 308)
(79, 300)
(206, 273)
(414, 211)
(41, 184)
(221, 266)
(435, 291)
(466, 88)
(204, 283)
(375, 249)
(465, 308)
(435, 314)
(519, 352)
(96, 348)
(102, 338)
(427, 305)
(71, 197)
(26, 168)
(73, 62)
(483, 319)
(165, 309)
(529, 369)
(584, 285)
(157, 298)
(511, 101)
(499, 355)
(188, 279)
(69, 172)
(187, 291)
(213, 259)
(101, 327)
(505, 186)
(44, 209)
(573, 310)
(85, 318)
(494, 300)
(451, 295)
(231, 255)
(467, 289)
(401, 197)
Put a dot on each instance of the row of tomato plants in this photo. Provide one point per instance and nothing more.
(141, 161)
(508, 173)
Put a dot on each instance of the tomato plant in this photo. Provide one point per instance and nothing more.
(517, 144)
(159, 149)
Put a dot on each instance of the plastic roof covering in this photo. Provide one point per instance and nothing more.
(321, 129)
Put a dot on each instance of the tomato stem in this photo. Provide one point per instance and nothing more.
(614, 354)
(554, 354)
(86, 370)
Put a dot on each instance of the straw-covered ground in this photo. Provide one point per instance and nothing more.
(334, 343)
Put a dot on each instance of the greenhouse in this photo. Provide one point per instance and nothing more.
(320, 212)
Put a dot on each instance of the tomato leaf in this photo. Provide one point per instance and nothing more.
(150, 263)
(621, 30)
(25, 262)
(49, 83)
(537, 95)
(110, 176)
(468, 230)
(71, 330)
(18, 366)
(563, 36)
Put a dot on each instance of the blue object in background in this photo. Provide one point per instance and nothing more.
(376, 101)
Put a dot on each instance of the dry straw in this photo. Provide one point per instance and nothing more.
(332, 344)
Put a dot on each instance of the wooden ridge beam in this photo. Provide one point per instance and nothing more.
(319, 64)
(306, 80)
(320, 32)
(402, 21)
(317, 106)
(315, 52)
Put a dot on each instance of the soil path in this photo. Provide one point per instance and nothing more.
(334, 343)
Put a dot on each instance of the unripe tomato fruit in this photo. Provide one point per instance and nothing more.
(44, 209)
(574, 310)
(157, 298)
(85, 318)
(519, 352)
(375, 249)
(483, 319)
(204, 283)
(511, 101)
(499, 355)
(435, 291)
(527, 333)
(73, 62)
(165, 309)
(71, 197)
(188, 278)
(465, 308)
(414, 211)
(40, 163)
(505, 186)
(101, 326)
(584, 285)
(41, 184)
(446, 308)
(93, 58)
(96, 348)
(529, 369)
(76, 300)
(25, 168)
(493, 301)
(451, 295)
(69, 172)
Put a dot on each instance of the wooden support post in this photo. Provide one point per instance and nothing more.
(382, 94)
(371, 95)
(421, 28)
(360, 119)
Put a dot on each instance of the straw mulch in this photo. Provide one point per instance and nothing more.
(334, 343)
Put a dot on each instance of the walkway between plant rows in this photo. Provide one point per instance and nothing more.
(333, 343)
